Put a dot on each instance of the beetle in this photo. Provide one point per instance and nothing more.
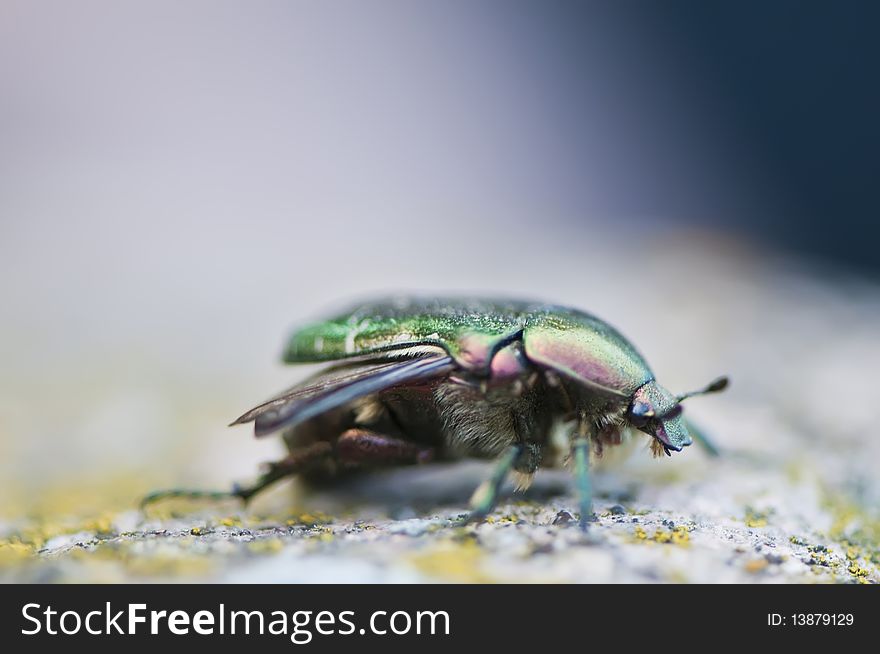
(412, 379)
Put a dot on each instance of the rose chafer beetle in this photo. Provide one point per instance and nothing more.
(411, 380)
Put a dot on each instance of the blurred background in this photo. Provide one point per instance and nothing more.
(182, 182)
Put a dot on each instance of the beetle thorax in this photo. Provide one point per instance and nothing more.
(485, 420)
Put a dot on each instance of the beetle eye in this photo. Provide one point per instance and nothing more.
(674, 412)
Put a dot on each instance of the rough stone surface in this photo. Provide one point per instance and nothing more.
(651, 526)
(793, 498)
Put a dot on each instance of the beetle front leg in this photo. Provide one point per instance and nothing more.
(486, 495)
(700, 437)
(581, 451)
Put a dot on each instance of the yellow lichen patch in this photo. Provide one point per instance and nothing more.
(103, 524)
(312, 518)
(504, 519)
(34, 538)
(679, 535)
(755, 519)
(105, 561)
(77, 497)
(857, 571)
(12, 552)
(460, 562)
(794, 472)
(42, 530)
(755, 565)
(756, 523)
(819, 555)
(852, 522)
(843, 514)
(37, 534)
(266, 546)
(231, 521)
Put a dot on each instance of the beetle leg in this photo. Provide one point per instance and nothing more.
(294, 463)
(581, 451)
(362, 446)
(700, 436)
(527, 462)
(486, 495)
(180, 493)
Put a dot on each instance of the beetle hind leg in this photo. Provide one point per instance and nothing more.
(298, 461)
(294, 463)
(358, 447)
(184, 493)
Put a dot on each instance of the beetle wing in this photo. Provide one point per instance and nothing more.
(324, 381)
(302, 403)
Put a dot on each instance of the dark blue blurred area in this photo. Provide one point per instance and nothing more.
(803, 81)
(788, 95)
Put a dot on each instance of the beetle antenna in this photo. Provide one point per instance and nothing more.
(715, 386)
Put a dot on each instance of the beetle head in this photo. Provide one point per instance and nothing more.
(657, 412)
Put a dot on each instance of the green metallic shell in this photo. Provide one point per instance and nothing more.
(401, 323)
(567, 340)
(588, 350)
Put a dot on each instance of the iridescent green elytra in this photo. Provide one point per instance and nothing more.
(468, 330)
(412, 380)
